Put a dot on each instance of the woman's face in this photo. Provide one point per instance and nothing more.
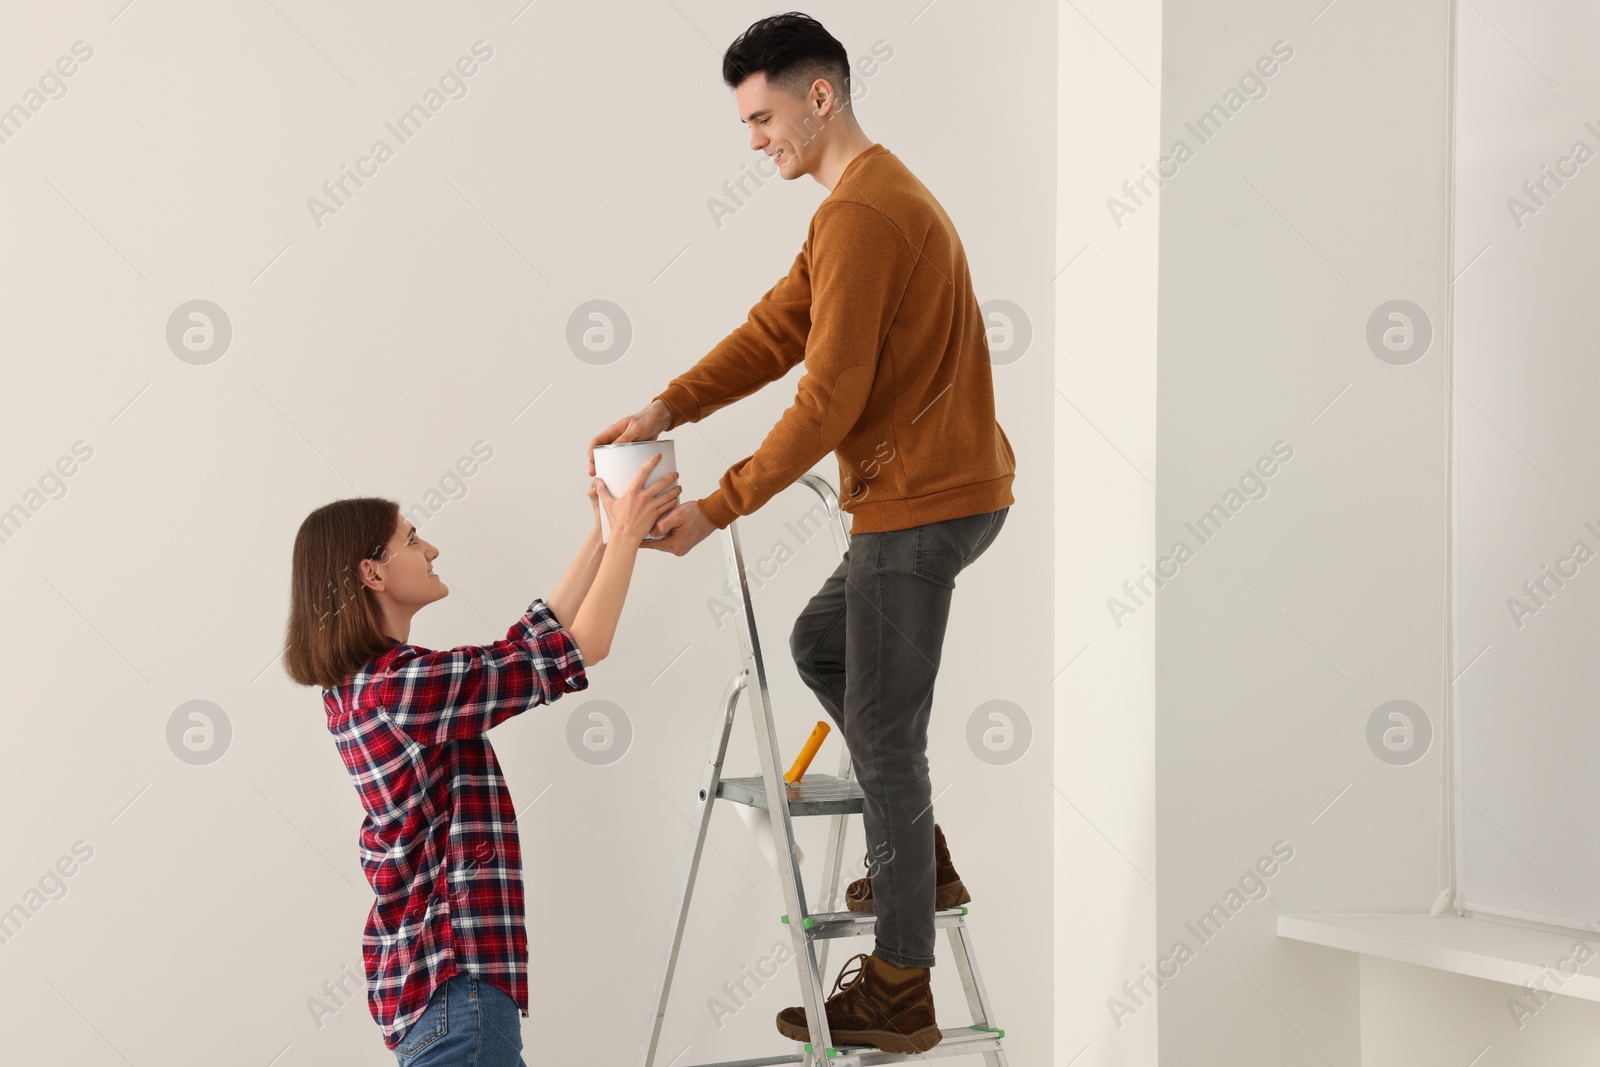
(405, 574)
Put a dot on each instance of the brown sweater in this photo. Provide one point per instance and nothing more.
(897, 385)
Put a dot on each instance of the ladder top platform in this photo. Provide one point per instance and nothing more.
(813, 794)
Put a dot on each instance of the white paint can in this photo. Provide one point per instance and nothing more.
(618, 464)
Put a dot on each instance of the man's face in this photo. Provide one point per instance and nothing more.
(791, 130)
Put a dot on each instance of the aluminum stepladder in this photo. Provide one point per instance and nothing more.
(814, 794)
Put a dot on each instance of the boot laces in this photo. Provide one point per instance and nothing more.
(860, 962)
(873, 993)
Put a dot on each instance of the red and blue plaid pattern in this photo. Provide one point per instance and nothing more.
(439, 841)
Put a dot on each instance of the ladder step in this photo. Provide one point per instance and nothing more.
(957, 1041)
(813, 794)
(863, 923)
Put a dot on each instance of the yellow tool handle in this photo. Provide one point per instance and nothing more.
(807, 753)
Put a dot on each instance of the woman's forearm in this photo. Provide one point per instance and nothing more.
(574, 585)
(596, 622)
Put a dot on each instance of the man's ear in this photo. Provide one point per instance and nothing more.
(820, 96)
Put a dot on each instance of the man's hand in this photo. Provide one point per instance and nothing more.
(646, 425)
(685, 526)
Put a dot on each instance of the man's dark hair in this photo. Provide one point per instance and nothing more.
(792, 50)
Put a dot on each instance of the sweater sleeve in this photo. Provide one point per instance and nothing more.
(861, 264)
(762, 349)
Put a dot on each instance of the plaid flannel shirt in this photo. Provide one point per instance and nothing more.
(439, 841)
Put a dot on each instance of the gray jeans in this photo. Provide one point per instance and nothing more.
(869, 644)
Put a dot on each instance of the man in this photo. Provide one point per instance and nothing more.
(880, 306)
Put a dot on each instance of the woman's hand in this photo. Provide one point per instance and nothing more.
(634, 513)
(594, 498)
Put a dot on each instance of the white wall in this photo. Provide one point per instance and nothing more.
(1420, 1017)
(1521, 346)
(1318, 602)
(368, 354)
(1526, 373)
(1105, 395)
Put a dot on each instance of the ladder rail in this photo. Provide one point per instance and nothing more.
(819, 485)
(794, 894)
(972, 982)
(833, 856)
(690, 866)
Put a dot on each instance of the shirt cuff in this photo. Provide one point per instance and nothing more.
(575, 677)
(541, 620)
(544, 622)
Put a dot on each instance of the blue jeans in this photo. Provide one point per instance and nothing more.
(468, 1023)
(868, 644)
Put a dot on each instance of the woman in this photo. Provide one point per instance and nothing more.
(444, 947)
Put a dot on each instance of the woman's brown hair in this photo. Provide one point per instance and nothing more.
(335, 621)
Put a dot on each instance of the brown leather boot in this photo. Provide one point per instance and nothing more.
(873, 1010)
(948, 889)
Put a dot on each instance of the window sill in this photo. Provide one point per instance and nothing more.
(1481, 948)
